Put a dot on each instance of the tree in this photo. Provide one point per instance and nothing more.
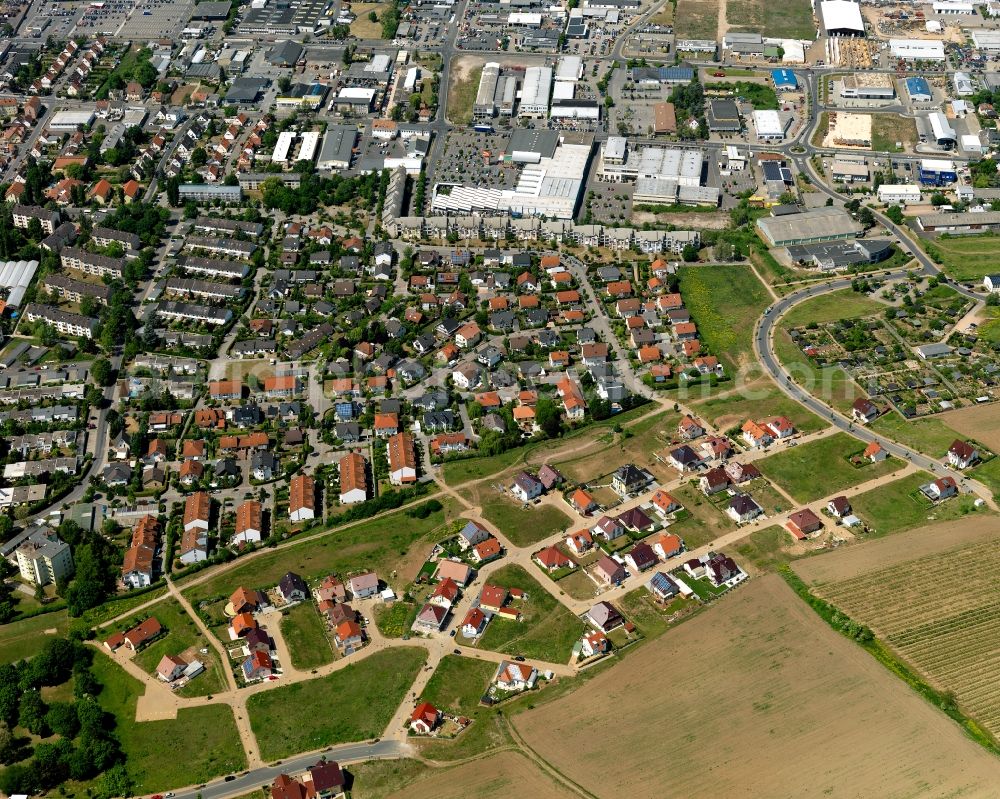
(372, 16)
(31, 713)
(284, 83)
(938, 199)
(102, 372)
(895, 214)
(689, 253)
(62, 719)
(199, 157)
(548, 417)
(92, 584)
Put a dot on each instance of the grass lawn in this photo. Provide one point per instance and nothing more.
(641, 609)
(760, 399)
(199, 745)
(182, 634)
(767, 496)
(465, 470)
(765, 548)
(377, 544)
(305, 635)
(891, 130)
(22, 639)
(703, 522)
(351, 704)
(546, 630)
(523, 526)
(577, 585)
(831, 307)
(116, 607)
(395, 620)
(964, 257)
(462, 95)
(696, 19)
(458, 683)
(791, 20)
(819, 468)
(929, 435)
(989, 475)
(899, 506)
(724, 302)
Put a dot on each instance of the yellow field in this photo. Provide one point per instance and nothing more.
(981, 422)
(364, 28)
(756, 697)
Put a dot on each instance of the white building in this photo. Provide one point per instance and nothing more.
(769, 125)
(44, 558)
(903, 194)
(307, 150)
(917, 49)
(282, 148)
(536, 92)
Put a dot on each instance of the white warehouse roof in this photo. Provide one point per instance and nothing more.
(570, 67)
(917, 49)
(280, 154)
(842, 15)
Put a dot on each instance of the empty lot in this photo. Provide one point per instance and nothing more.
(764, 700)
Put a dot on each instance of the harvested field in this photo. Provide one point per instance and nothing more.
(503, 774)
(981, 422)
(789, 683)
(949, 633)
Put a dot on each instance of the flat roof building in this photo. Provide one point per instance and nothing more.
(338, 147)
(917, 49)
(485, 105)
(536, 91)
(842, 18)
(819, 224)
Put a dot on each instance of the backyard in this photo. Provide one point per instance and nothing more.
(822, 467)
(305, 635)
(352, 704)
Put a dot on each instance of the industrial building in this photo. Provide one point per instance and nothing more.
(919, 90)
(784, 80)
(485, 105)
(834, 255)
(958, 223)
(355, 99)
(661, 174)
(15, 276)
(724, 117)
(535, 92)
(842, 18)
(963, 83)
(941, 130)
(901, 193)
(338, 147)
(820, 224)
(770, 126)
(917, 49)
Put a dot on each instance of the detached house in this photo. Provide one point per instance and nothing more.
(526, 487)
(864, 410)
(962, 454)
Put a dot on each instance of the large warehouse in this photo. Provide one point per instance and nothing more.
(842, 18)
(485, 107)
(536, 92)
(820, 224)
(917, 49)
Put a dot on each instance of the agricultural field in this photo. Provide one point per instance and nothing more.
(980, 423)
(855, 729)
(199, 745)
(546, 631)
(724, 301)
(358, 701)
(501, 774)
(523, 526)
(899, 505)
(964, 258)
(380, 544)
(820, 468)
(305, 635)
(792, 20)
(696, 19)
(947, 634)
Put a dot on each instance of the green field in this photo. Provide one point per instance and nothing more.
(22, 639)
(182, 634)
(899, 506)
(546, 630)
(821, 468)
(700, 522)
(759, 400)
(305, 635)
(831, 307)
(395, 620)
(888, 129)
(523, 526)
(964, 257)
(764, 548)
(929, 435)
(458, 683)
(376, 544)
(201, 744)
(352, 704)
(790, 20)
(725, 302)
(696, 19)
(989, 475)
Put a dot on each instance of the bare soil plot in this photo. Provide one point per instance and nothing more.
(981, 422)
(503, 774)
(949, 633)
(787, 683)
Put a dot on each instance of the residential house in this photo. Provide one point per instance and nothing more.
(526, 487)
(668, 546)
(293, 588)
(605, 617)
(594, 643)
(609, 571)
(961, 454)
(662, 586)
(424, 718)
(552, 559)
(513, 676)
(302, 498)
(583, 502)
(641, 557)
(628, 479)
(580, 542)
(802, 523)
(363, 585)
(864, 410)
(473, 533)
(940, 489)
(743, 508)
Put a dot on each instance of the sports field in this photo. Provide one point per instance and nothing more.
(758, 677)
(940, 616)
(965, 257)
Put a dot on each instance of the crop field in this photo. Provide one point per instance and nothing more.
(820, 468)
(981, 422)
(724, 301)
(696, 19)
(964, 257)
(788, 683)
(502, 774)
(947, 633)
(791, 20)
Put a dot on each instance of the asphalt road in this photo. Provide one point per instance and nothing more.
(253, 780)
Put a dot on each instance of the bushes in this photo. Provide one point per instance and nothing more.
(424, 509)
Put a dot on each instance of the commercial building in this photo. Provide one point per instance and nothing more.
(819, 224)
(986, 40)
(941, 130)
(963, 83)
(965, 222)
(535, 92)
(209, 192)
(724, 117)
(664, 119)
(917, 49)
(355, 99)
(784, 80)
(485, 105)
(770, 126)
(338, 147)
(902, 193)
(70, 121)
(868, 86)
(918, 89)
(834, 255)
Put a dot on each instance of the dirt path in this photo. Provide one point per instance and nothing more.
(723, 24)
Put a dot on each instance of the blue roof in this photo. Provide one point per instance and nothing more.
(676, 73)
(918, 85)
(784, 77)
